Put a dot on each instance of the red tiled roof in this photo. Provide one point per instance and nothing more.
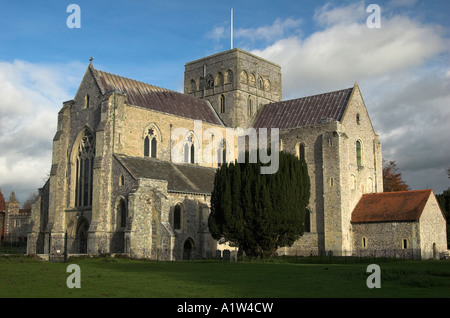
(391, 206)
(306, 111)
(157, 98)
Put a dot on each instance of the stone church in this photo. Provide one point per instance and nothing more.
(133, 164)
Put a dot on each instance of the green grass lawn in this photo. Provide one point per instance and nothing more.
(22, 277)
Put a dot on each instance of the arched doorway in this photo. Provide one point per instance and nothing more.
(188, 247)
(82, 235)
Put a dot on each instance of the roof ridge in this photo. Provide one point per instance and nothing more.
(135, 80)
(399, 192)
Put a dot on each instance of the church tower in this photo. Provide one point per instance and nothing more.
(236, 83)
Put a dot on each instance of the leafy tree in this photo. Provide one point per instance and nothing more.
(30, 200)
(392, 178)
(260, 212)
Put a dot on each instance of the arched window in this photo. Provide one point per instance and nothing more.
(85, 170)
(219, 79)
(229, 76)
(252, 80)
(267, 85)
(357, 119)
(307, 221)
(301, 152)
(151, 144)
(222, 153)
(189, 150)
(222, 103)
(86, 101)
(122, 213)
(153, 147)
(249, 106)
(192, 153)
(358, 153)
(177, 217)
(261, 83)
(193, 86)
(244, 77)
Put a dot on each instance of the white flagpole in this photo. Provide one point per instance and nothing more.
(231, 28)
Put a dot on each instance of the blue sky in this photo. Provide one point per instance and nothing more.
(402, 68)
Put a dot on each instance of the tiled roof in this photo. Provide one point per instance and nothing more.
(391, 206)
(306, 111)
(186, 178)
(157, 98)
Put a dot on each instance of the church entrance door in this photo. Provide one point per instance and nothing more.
(187, 249)
(81, 238)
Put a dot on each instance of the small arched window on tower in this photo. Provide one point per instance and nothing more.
(260, 83)
(219, 79)
(222, 104)
(249, 106)
(358, 153)
(229, 77)
(193, 86)
(357, 119)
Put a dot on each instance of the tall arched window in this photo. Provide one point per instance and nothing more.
(222, 103)
(222, 153)
(177, 217)
(249, 106)
(358, 153)
(85, 170)
(150, 144)
(86, 101)
(122, 212)
(307, 221)
(189, 149)
(301, 152)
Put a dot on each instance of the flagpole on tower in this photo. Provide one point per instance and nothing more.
(231, 28)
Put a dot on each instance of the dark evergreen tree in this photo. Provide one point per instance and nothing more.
(444, 202)
(260, 212)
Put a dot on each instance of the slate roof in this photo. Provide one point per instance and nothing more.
(157, 98)
(186, 178)
(391, 206)
(306, 111)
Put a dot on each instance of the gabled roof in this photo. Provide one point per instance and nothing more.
(185, 178)
(306, 111)
(157, 98)
(391, 206)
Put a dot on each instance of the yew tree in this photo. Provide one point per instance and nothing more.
(260, 212)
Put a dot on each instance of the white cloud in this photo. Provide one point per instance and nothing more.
(268, 32)
(32, 95)
(399, 69)
(264, 33)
